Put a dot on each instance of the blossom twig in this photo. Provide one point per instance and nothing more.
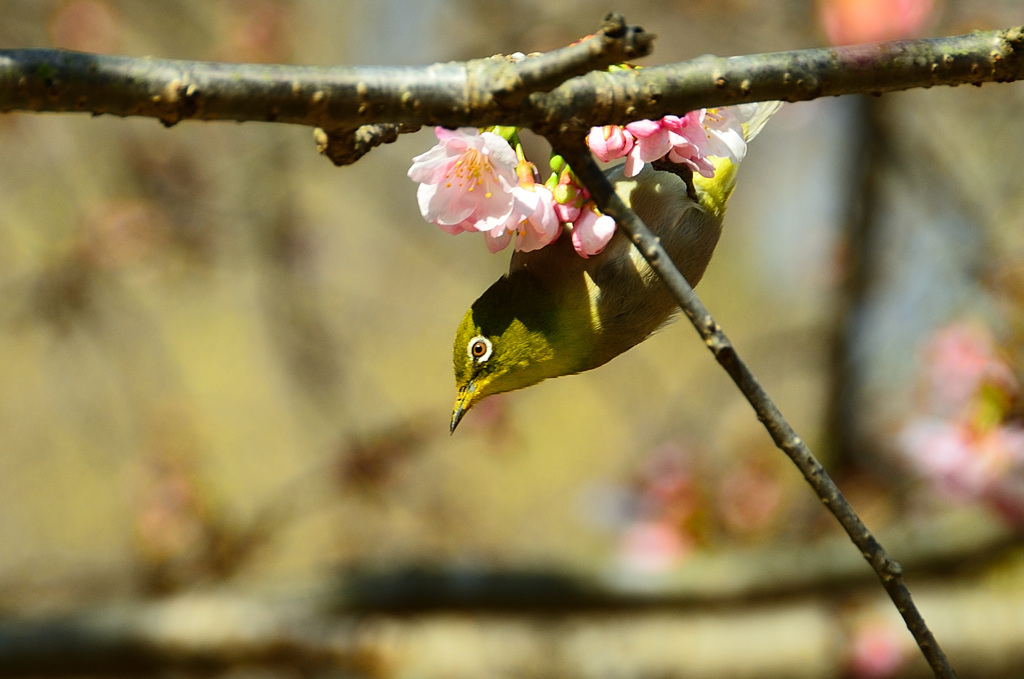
(889, 571)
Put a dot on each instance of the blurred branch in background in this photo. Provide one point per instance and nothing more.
(474, 625)
(184, 538)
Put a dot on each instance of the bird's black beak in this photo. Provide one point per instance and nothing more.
(463, 402)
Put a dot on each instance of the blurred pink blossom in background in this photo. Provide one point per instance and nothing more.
(875, 651)
(958, 360)
(963, 440)
(653, 547)
(847, 22)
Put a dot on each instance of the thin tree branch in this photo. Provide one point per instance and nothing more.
(889, 571)
(546, 93)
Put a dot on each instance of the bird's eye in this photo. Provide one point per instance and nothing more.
(479, 349)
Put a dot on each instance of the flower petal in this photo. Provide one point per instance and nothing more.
(591, 232)
(497, 240)
(541, 227)
(466, 180)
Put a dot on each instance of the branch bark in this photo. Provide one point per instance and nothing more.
(551, 93)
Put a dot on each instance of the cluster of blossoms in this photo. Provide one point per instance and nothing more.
(964, 442)
(475, 180)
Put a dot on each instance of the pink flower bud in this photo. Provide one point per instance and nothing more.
(610, 142)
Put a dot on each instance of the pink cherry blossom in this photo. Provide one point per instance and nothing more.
(475, 181)
(654, 547)
(466, 180)
(678, 139)
(610, 142)
(567, 213)
(532, 221)
(852, 21)
(497, 239)
(691, 139)
(591, 231)
(723, 131)
(651, 143)
(876, 650)
(540, 226)
(686, 133)
(964, 464)
(941, 451)
(958, 360)
(750, 498)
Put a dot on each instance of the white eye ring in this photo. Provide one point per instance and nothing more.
(479, 349)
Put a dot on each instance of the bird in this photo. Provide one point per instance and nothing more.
(555, 313)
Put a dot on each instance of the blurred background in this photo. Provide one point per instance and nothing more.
(225, 380)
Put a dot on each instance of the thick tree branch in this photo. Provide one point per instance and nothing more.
(313, 633)
(620, 97)
(547, 93)
(453, 94)
(889, 571)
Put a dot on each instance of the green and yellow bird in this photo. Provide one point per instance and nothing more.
(555, 313)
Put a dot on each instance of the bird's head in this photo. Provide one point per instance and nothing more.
(499, 346)
(509, 339)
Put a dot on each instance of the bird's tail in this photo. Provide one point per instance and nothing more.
(765, 110)
(714, 193)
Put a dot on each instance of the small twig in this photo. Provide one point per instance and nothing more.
(889, 571)
(346, 146)
(616, 43)
(503, 82)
